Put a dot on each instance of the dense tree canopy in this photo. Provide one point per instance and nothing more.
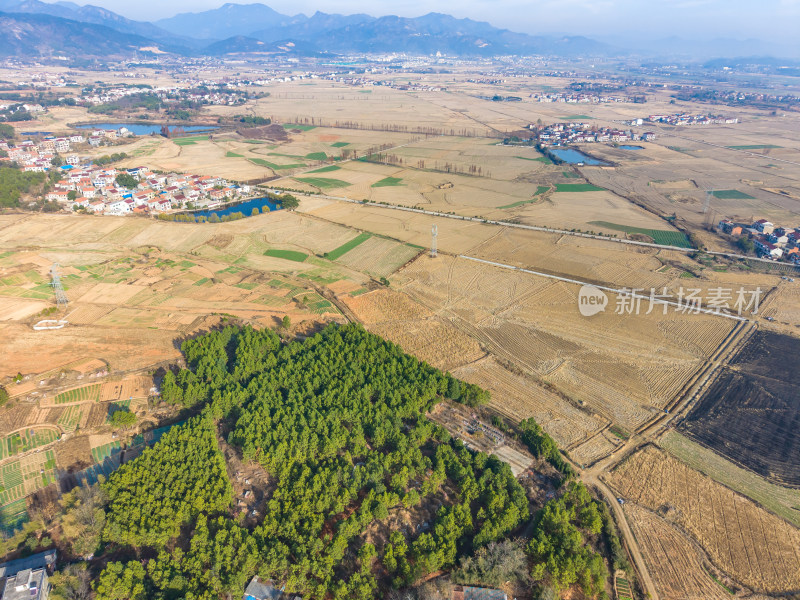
(150, 498)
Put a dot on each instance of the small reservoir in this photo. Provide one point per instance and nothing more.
(147, 128)
(575, 157)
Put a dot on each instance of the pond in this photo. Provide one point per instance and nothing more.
(147, 128)
(246, 208)
(574, 157)
(630, 147)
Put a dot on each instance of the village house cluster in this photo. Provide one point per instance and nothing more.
(687, 119)
(579, 98)
(562, 134)
(37, 157)
(769, 240)
(96, 190)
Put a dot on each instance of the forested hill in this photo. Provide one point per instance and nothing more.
(338, 423)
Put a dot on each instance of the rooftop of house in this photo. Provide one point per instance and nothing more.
(476, 593)
(26, 584)
(36, 561)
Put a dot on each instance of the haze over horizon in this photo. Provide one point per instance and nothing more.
(626, 20)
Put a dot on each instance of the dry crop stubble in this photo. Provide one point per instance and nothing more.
(753, 546)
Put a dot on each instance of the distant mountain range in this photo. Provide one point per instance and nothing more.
(91, 31)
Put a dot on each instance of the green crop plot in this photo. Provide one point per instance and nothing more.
(189, 140)
(731, 195)
(754, 147)
(70, 419)
(340, 144)
(22, 441)
(12, 516)
(347, 246)
(323, 182)
(300, 127)
(539, 191)
(577, 187)
(327, 169)
(230, 154)
(101, 453)
(659, 236)
(287, 255)
(316, 156)
(275, 167)
(89, 393)
(387, 182)
(541, 159)
(570, 175)
(575, 117)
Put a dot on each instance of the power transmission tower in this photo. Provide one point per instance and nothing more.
(55, 281)
(434, 240)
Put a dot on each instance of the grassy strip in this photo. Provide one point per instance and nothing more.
(327, 169)
(230, 154)
(387, 182)
(754, 147)
(340, 144)
(300, 127)
(539, 191)
(570, 175)
(316, 156)
(323, 182)
(189, 140)
(784, 502)
(731, 195)
(578, 187)
(273, 166)
(347, 246)
(287, 255)
(574, 117)
(541, 159)
(660, 236)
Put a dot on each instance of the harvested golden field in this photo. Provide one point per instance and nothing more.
(378, 256)
(625, 368)
(752, 546)
(519, 397)
(676, 566)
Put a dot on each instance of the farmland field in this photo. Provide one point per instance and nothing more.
(675, 565)
(745, 541)
(89, 393)
(30, 438)
(287, 255)
(387, 182)
(731, 195)
(323, 183)
(784, 502)
(751, 412)
(577, 187)
(659, 236)
(347, 246)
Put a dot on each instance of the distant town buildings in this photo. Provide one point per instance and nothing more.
(562, 134)
(687, 119)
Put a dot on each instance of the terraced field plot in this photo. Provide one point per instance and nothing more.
(87, 393)
(70, 418)
(324, 183)
(378, 256)
(100, 453)
(287, 255)
(25, 440)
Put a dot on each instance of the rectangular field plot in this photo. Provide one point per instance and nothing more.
(88, 393)
(22, 441)
(731, 195)
(70, 418)
(323, 183)
(347, 246)
(105, 451)
(12, 482)
(287, 255)
(659, 236)
(379, 256)
(751, 412)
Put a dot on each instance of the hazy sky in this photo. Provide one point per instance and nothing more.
(728, 18)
